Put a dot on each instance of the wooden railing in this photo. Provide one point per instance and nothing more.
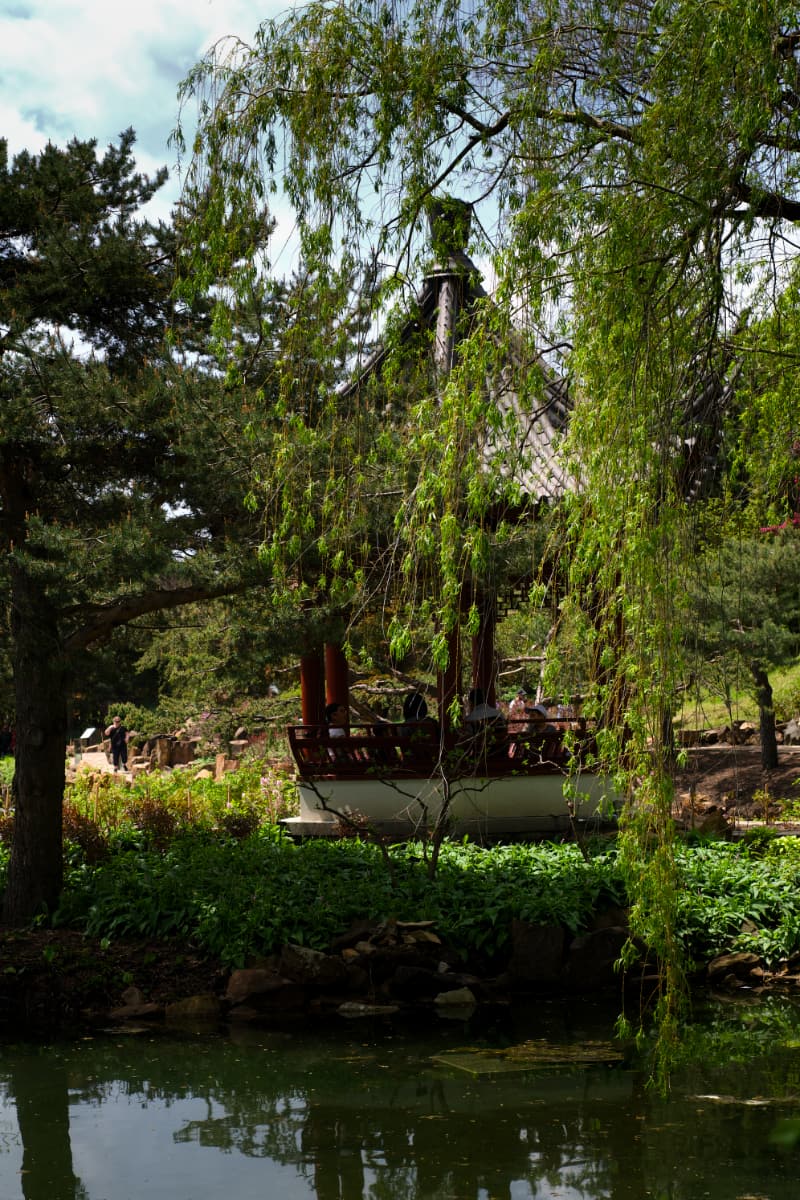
(513, 748)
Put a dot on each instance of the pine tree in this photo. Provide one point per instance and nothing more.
(122, 470)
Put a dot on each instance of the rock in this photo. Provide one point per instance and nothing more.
(358, 979)
(457, 998)
(248, 982)
(738, 965)
(385, 960)
(421, 935)
(205, 1007)
(611, 918)
(592, 958)
(417, 983)
(245, 1012)
(537, 952)
(183, 753)
(713, 824)
(304, 965)
(163, 752)
(359, 931)
(128, 1012)
(132, 996)
(353, 1008)
(791, 734)
(95, 760)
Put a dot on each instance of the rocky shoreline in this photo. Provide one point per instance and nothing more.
(61, 982)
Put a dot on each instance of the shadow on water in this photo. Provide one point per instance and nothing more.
(364, 1112)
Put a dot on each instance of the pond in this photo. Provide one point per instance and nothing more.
(457, 1110)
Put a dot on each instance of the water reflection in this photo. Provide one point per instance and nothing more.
(364, 1114)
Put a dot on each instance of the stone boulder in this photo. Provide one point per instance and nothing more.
(421, 983)
(537, 952)
(462, 997)
(254, 991)
(712, 822)
(732, 968)
(312, 968)
(791, 733)
(592, 960)
(248, 982)
(202, 1008)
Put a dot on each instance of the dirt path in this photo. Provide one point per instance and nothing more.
(732, 778)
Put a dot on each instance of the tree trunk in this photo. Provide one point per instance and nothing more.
(766, 717)
(35, 872)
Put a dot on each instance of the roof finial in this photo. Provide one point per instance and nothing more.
(450, 221)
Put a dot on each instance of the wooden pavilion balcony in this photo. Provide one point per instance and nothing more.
(386, 750)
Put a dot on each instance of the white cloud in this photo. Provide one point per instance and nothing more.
(91, 68)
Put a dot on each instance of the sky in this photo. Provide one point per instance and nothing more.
(91, 68)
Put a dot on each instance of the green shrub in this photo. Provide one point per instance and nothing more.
(7, 771)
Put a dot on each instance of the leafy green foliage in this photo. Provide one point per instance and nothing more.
(740, 898)
(6, 771)
(244, 898)
(248, 898)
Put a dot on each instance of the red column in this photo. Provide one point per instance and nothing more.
(312, 688)
(337, 679)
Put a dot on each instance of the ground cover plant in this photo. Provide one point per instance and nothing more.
(207, 863)
(740, 897)
(240, 899)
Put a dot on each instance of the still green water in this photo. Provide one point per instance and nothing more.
(364, 1111)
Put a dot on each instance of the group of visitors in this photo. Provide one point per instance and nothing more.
(480, 714)
(521, 710)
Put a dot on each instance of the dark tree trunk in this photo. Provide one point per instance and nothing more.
(766, 717)
(668, 747)
(35, 872)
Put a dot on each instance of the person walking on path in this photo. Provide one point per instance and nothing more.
(118, 735)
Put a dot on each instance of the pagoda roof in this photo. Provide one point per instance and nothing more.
(531, 452)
